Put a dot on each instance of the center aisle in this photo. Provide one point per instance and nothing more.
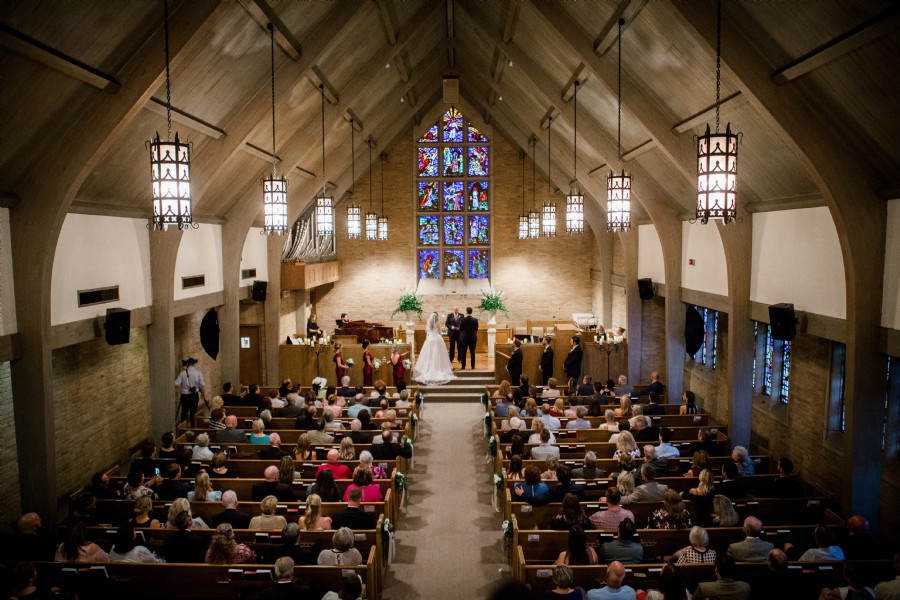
(448, 540)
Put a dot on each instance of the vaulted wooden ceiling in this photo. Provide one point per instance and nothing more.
(382, 62)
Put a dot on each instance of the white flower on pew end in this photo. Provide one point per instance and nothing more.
(498, 479)
(350, 362)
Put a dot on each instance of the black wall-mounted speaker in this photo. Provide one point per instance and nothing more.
(783, 321)
(259, 290)
(645, 288)
(117, 326)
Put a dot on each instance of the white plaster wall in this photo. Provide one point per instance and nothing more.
(890, 306)
(253, 256)
(797, 259)
(7, 289)
(650, 255)
(200, 253)
(94, 252)
(703, 244)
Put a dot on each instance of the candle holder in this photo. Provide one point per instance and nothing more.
(610, 346)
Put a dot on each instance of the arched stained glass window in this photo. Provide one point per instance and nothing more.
(453, 191)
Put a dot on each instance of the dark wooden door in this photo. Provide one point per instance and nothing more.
(251, 355)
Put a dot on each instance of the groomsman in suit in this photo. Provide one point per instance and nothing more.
(454, 320)
(573, 359)
(546, 361)
(468, 335)
(514, 365)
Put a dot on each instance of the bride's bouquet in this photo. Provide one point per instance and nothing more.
(376, 363)
(350, 362)
(407, 363)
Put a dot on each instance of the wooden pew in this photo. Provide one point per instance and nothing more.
(676, 465)
(307, 468)
(143, 580)
(575, 449)
(289, 437)
(700, 420)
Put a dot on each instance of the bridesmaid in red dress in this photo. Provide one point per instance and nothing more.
(340, 368)
(367, 364)
(399, 367)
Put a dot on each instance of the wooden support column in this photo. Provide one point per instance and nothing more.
(669, 230)
(233, 236)
(274, 246)
(633, 305)
(163, 363)
(737, 241)
(606, 241)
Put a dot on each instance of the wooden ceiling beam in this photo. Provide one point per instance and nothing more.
(512, 20)
(316, 77)
(158, 107)
(263, 14)
(39, 52)
(733, 101)
(881, 24)
(387, 22)
(627, 10)
(581, 75)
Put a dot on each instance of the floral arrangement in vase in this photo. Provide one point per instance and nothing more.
(492, 301)
(407, 303)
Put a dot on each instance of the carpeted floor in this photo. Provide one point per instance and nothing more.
(448, 539)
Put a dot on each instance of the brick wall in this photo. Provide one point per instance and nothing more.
(653, 338)
(10, 503)
(708, 383)
(541, 279)
(102, 402)
(618, 260)
(187, 343)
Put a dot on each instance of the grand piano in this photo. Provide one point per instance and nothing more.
(374, 332)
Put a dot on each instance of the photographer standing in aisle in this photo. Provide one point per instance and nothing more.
(191, 386)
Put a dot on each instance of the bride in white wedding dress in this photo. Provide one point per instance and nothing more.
(433, 363)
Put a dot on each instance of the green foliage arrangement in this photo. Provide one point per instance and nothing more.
(407, 302)
(492, 301)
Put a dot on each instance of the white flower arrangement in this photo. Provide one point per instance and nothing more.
(376, 363)
(407, 363)
(350, 362)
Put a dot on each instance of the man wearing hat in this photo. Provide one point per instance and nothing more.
(190, 385)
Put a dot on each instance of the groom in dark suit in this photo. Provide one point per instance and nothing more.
(454, 320)
(468, 335)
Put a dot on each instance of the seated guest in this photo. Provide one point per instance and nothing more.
(724, 514)
(306, 418)
(610, 423)
(585, 388)
(545, 450)
(168, 446)
(537, 426)
(513, 427)
(590, 470)
(752, 549)
(643, 429)
(503, 393)
(135, 487)
(706, 442)
(274, 451)
(570, 515)
(265, 416)
(268, 520)
(624, 410)
(291, 409)
(334, 465)
(825, 546)
(699, 462)
(623, 388)
(125, 550)
(272, 487)
(253, 397)
(625, 482)
(531, 408)
(284, 587)
(184, 546)
(347, 451)
(565, 487)
(724, 586)
(615, 588)
(178, 505)
(673, 514)
(229, 398)
(143, 514)
(855, 589)
(786, 485)
(324, 487)
(666, 450)
(343, 552)
(203, 490)
(564, 579)
(743, 461)
(351, 589)
(649, 490)
(286, 472)
(312, 328)
(290, 533)
(655, 386)
(702, 496)
(362, 480)
(345, 391)
(357, 435)
(533, 490)
(287, 387)
(259, 435)
(609, 519)
(217, 419)
(28, 541)
(172, 487)
(303, 450)
(654, 408)
(689, 403)
(76, 548)
(577, 551)
(890, 590)
(101, 489)
(366, 459)
(551, 391)
(201, 448)
(231, 514)
(224, 550)
(579, 422)
(359, 405)
(517, 446)
(353, 516)
(698, 551)
(389, 448)
(550, 465)
(318, 435)
(625, 444)
(859, 545)
(231, 434)
(329, 422)
(147, 464)
(218, 467)
(671, 585)
(729, 486)
(515, 470)
(661, 465)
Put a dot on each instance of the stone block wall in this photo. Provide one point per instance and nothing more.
(187, 343)
(653, 338)
(10, 502)
(102, 405)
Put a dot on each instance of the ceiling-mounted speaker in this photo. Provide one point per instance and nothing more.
(451, 89)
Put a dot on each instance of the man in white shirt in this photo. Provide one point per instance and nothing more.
(545, 450)
(666, 450)
(610, 423)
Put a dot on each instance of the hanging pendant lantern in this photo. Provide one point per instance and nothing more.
(575, 200)
(354, 227)
(548, 209)
(324, 203)
(618, 185)
(274, 187)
